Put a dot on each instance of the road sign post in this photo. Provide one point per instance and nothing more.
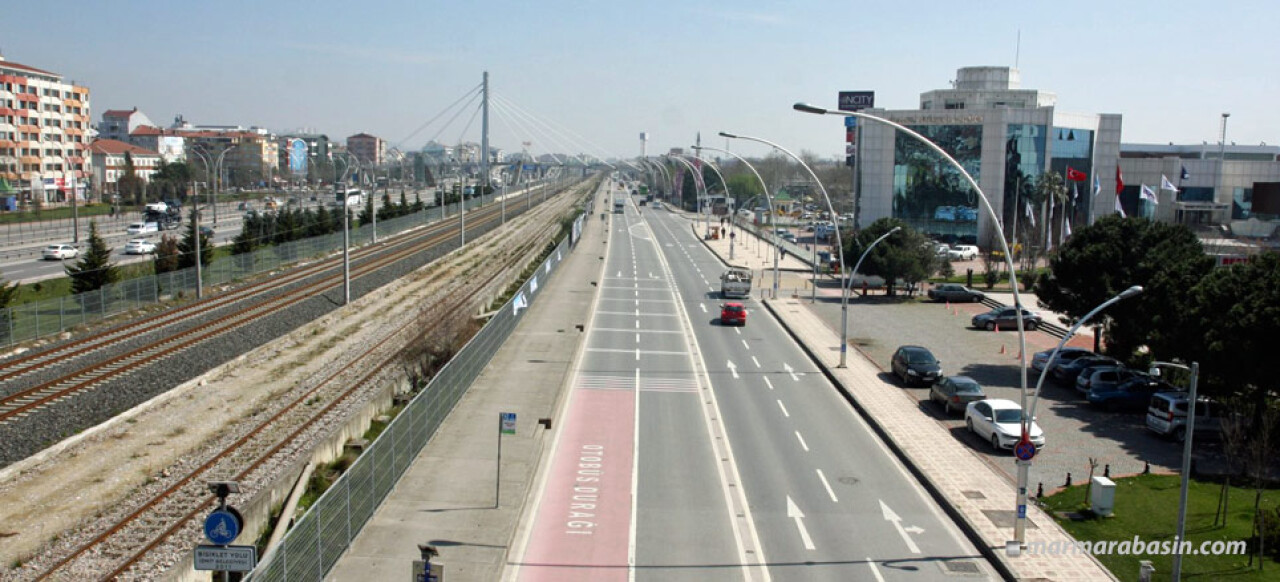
(506, 425)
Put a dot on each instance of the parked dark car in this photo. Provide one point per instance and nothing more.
(1067, 373)
(1132, 394)
(955, 292)
(916, 365)
(1066, 356)
(954, 393)
(1103, 377)
(1007, 318)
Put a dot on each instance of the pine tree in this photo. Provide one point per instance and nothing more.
(94, 270)
(187, 246)
(8, 294)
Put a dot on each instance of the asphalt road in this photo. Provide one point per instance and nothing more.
(745, 461)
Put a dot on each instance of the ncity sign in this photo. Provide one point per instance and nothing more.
(857, 100)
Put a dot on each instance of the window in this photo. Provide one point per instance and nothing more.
(953, 105)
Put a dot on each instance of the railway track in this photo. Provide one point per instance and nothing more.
(125, 549)
(22, 403)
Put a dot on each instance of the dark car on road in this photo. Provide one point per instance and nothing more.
(955, 292)
(1007, 318)
(954, 393)
(1065, 356)
(915, 365)
(1132, 394)
(1067, 373)
(1103, 378)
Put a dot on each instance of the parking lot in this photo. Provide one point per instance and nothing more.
(1074, 431)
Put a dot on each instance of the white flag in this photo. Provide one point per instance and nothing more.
(1148, 194)
(1097, 185)
(1030, 215)
(1120, 208)
(1165, 184)
(1067, 229)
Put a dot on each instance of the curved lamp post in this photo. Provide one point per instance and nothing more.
(696, 182)
(847, 281)
(725, 184)
(1023, 466)
(844, 298)
(768, 198)
(705, 200)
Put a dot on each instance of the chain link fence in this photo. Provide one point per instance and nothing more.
(52, 316)
(317, 540)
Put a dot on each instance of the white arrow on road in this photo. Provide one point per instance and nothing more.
(733, 369)
(795, 513)
(890, 516)
(704, 307)
(791, 371)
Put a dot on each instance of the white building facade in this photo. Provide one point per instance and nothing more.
(1004, 136)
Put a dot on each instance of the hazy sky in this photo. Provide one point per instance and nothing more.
(602, 72)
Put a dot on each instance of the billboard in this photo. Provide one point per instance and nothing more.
(297, 156)
(857, 100)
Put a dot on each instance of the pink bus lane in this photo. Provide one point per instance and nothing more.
(583, 526)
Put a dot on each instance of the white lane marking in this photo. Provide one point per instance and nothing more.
(794, 512)
(784, 409)
(637, 324)
(875, 570)
(803, 444)
(624, 330)
(704, 307)
(767, 382)
(896, 520)
(637, 337)
(791, 371)
(827, 485)
(745, 344)
(637, 354)
(738, 329)
(733, 369)
(757, 362)
(619, 273)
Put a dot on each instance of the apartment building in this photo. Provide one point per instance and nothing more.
(44, 136)
(368, 149)
(109, 163)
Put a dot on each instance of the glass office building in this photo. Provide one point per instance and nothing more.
(1006, 138)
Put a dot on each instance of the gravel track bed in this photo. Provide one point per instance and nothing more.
(58, 420)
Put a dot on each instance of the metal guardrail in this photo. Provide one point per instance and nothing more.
(51, 316)
(316, 542)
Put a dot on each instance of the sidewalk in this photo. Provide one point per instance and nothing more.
(446, 498)
(980, 499)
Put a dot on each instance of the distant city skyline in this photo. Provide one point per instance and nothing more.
(589, 78)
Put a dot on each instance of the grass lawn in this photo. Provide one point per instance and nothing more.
(61, 286)
(1147, 506)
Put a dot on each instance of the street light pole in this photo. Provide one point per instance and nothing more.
(1023, 467)
(844, 301)
(777, 250)
(1186, 456)
(727, 197)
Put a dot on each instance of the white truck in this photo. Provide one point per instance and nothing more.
(735, 283)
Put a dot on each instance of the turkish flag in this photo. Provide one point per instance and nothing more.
(1119, 180)
(1075, 175)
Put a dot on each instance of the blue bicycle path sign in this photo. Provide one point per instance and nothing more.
(221, 527)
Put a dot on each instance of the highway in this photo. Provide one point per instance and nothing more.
(769, 475)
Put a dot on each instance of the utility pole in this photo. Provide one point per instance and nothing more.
(484, 138)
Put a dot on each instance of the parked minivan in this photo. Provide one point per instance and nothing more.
(1167, 415)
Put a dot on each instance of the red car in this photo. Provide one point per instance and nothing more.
(733, 314)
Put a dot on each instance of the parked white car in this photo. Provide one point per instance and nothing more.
(142, 228)
(139, 246)
(963, 252)
(59, 252)
(999, 422)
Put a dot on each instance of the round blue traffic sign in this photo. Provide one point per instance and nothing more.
(222, 527)
(1024, 450)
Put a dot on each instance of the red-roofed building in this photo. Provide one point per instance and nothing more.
(108, 162)
(44, 125)
(170, 144)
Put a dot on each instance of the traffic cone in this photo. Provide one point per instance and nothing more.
(1019, 356)
(997, 328)
(948, 304)
(955, 311)
(1002, 348)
